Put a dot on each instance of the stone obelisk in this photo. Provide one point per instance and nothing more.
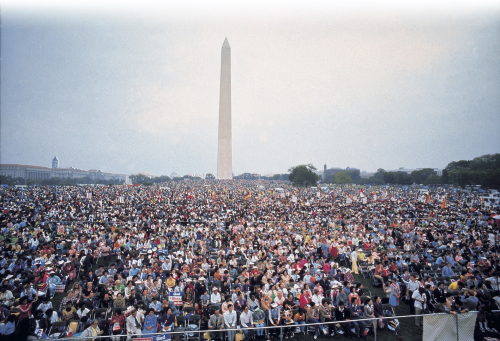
(225, 150)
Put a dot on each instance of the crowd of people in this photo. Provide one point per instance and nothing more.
(140, 260)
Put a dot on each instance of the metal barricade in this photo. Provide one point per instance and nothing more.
(458, 327)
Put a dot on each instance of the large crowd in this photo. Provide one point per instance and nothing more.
(132, 260)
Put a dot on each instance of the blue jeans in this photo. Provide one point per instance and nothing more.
(360, 327)
(260, 332)
(52, 288)
(316, 327)
(231, 334)
(302, 329)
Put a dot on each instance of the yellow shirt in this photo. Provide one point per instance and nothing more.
(170, 282)
(453, 286)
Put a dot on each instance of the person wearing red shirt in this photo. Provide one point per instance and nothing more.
(24, 314)
(334, 252)
(394, 268)
(305, 298)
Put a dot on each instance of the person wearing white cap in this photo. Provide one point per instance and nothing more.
(274, 317)
(53, 282)
(215, 298)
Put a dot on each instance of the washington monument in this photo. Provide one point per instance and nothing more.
(225, 151)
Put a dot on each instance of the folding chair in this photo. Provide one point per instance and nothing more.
(99, 312)
(181, 324)
(57, 327)
(193, 319)
(104, 325)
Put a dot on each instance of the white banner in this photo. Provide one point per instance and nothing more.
(444, 327)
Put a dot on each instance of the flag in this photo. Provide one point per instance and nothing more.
(159, 196)
(89, 195)
(188, 196)
(482, 200)
(443, 205)
(122, 200)
(247, 196)
(213, 194)
(428, 198)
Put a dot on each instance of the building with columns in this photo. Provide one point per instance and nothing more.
(38, 172)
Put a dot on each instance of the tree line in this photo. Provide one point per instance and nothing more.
(483, 170)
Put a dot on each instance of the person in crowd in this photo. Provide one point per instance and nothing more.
(216, 322)
(92, 332)
(420, 300)
(8, 329)
(117, 324)
(134, 324)
(150, 322)
(356, 313)
(230, 319)
(246, 321)
(325, 315)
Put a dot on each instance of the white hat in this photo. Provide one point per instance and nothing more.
(274, 305)
(201, 278)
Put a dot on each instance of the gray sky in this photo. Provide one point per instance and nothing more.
(128, 88)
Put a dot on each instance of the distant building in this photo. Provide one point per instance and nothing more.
(37, 172)
(329, 173)
(365, 174)
(402, 170)
(438, 171)
(247, 176)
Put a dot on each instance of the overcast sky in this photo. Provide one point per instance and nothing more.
(127, 88)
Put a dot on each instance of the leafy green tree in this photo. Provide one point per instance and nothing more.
(303, 176)
(420, 176)
(353, 173)
(390, 177)
(482, 170)
(342, 178)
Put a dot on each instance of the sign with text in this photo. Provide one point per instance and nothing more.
(175, 297)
